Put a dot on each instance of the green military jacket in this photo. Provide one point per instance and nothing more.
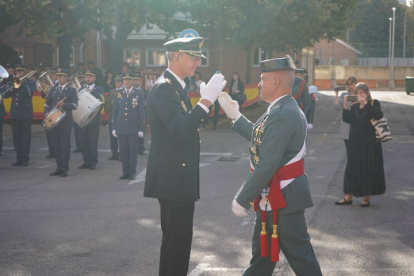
(281, 134)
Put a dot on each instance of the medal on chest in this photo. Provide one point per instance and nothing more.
(257, 139)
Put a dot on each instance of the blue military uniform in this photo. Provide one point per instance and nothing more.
(48, 132)
(61, 132)
(113, 141)
(90, 133)
(2, 114)
(21, 116)
(141, 140)
(77, 129)
(127, 120)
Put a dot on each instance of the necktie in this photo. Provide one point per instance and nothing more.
(60, 89)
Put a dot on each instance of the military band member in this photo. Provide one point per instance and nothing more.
(3, 87)
(113, 141)
(141, 139)
(21, 116)
(90, 133)
(62, 96)
(128, 123)
(46, 110)
(80, 74)
(277, 185)
(172, 174)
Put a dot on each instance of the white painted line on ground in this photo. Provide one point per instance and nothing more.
(200, 268)
(204, 164)
(139, 178)
(44, 166)
(217, 153)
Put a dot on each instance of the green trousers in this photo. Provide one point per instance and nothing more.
(294, 241)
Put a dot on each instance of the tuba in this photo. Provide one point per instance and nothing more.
(75, 82)
(44, 83)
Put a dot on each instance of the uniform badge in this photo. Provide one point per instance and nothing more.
(119, 95)
(134, 102)
(168, 80)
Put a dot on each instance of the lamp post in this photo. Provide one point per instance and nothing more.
(405, 24)
(391, 83)
(389, 48)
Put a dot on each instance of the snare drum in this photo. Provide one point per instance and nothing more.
(53, 118)
(88, 108)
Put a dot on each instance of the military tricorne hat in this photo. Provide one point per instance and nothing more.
(278, 64)
(81, 73)
(62, 71)
(189, 45)
(52, 69)
(21, 67)
(128, 76)
(301, 71)
(90, 72)
(118, 78)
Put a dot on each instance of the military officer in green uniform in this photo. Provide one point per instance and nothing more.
(277, 185)
(173, 163)
(300, 91)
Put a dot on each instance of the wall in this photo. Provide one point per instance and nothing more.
(328, 76)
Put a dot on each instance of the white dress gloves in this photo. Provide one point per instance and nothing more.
(229, 106)
(237, 209)
(212, 90)
(140, 134)
(114, 133)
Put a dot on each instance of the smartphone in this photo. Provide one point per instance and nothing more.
(352, 98)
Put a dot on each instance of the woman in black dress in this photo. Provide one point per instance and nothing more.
(236, 90)
(109, 83)
(366, 165)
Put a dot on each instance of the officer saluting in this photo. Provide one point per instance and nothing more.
(128, 118)
(21, 115)
(173, 163)
(277, 185)
(63, 96)
(90, 133)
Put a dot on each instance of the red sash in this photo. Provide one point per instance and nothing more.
(276, 201)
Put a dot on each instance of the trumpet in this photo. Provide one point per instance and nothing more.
(44, 83)
(3, 73)
(16, 83)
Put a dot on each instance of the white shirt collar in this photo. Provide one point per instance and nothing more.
(274, 102)
(128, 91)
(63, 86)
(182, 82)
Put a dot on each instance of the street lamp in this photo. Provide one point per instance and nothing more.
(391, 83)
(389, 48)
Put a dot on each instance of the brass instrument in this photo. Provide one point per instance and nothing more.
(109, 102)
(75, 82)
(3, 73)
(17, 82)
(44, 83)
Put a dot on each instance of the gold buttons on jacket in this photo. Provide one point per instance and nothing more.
(202, 120)
(126, 113)
(183, 164)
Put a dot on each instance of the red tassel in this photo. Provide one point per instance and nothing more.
(264, 246)
(275, 245)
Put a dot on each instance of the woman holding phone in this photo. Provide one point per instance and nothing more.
(365, 165)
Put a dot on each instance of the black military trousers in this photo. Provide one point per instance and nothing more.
(1, 134)
(177, 236)
(113, 141)
(128, 145)
(61, 143)
(22, 134)
(78, 136)
(50, 142)
(90, 136)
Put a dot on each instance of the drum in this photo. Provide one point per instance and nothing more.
(53, 118)
(88, 108)
(109, 102)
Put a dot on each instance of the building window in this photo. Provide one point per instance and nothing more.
(204, 62)
(132, 56)
(72, 57)
(156, 57)
(260, 54)
(345, 61)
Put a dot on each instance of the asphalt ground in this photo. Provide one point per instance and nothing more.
(91, 223)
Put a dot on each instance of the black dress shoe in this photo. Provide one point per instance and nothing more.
(131, 177)
(141, 152)
(124, 176)
(50, 156)
(92, 167)
(113, 158)
(63, 174)
(84, 166)
(17, 163)
(77, 150)
(25, 164)
(55, 173)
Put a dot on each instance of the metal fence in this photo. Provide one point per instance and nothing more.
(385, 62)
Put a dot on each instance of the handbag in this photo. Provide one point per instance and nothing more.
(382, 131)
(242, 97)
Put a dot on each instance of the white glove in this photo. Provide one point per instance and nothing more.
(229, 106)
(212, 90)
(237, 209)
(114, 133)
(140, 134)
